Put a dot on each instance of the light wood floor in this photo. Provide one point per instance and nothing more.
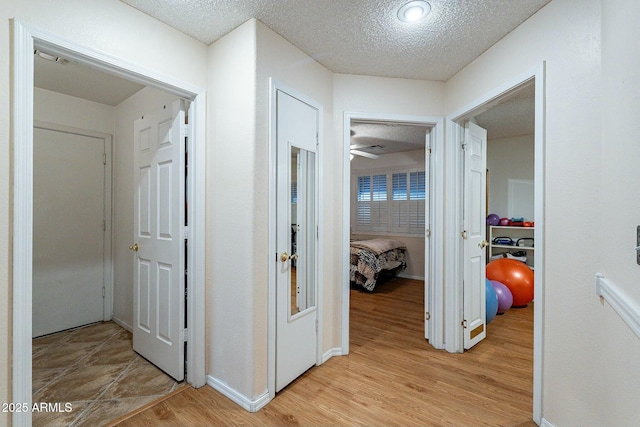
(391, 378)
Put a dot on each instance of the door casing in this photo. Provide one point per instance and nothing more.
(453, 253)
(435, 242)
(26, 38)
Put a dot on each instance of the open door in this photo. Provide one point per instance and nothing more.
(474, 234)
(296, 238)
(159, 233)
(427, 233)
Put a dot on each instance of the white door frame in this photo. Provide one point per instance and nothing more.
(433, 269)
(275, 86)
(107, 283)
(453, 254)
(26, 38)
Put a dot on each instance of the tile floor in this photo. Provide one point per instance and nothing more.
(95, 369)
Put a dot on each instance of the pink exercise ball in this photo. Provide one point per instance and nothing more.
(505, 299)
(516, 276)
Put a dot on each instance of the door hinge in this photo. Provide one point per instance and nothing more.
(104, 158)
(186, 232)
(185, 129)
(428, 150)
(185, 334)
(427, 232)
(316, 325)
(464, 324)
(104, 292)
(427, 315)
(464, 146)
(104, 225)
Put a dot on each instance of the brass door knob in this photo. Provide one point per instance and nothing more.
(134, 247)
(483, 244)
(284, 256)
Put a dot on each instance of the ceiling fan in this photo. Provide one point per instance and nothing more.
(355, 150)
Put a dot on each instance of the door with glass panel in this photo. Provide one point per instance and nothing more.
(296, 240)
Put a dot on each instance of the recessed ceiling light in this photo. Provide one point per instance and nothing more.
(414, 11)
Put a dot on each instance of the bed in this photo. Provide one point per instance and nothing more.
(369, 258)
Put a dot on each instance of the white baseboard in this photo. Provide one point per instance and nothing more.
(330, 353)
(545, 423)
(122, 324)
(406, 276)
(248, 404)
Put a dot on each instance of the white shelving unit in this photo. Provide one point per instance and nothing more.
(514, 233)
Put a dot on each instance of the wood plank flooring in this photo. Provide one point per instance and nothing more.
(392, 377)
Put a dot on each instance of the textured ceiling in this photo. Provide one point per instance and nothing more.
(348, 36)
(387, 137)
(359, 36)
(511, 116)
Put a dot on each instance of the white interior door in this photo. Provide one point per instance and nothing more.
(427, 233)
(159, 238)
(68, 230)
(474, 234)
(296, 238)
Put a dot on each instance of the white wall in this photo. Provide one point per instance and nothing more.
(240, 67)
(107, 25)
(590, 367)
(231, 208)
(507, 158)
(280, 60)
(143, 102)
(388, 162)
(56, 108)
(616, 361)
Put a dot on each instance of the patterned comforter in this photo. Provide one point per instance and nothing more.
(370, 257)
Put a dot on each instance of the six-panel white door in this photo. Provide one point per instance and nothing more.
(159, 238)
(474, 211)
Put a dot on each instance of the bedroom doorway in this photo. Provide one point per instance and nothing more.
(390, 193)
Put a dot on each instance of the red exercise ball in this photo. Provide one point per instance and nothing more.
(516, 276)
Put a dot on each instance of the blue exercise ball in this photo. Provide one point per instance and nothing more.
(491, 301)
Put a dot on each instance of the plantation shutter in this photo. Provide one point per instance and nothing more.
(399, 208)
(417, 202)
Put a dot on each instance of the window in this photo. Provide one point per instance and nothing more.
(371, 207)
(398, 209)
